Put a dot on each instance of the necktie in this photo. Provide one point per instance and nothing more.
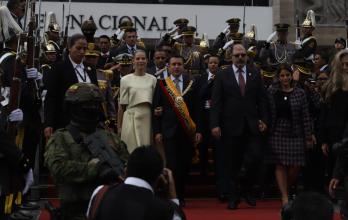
(132, 50)
(241, 81)
(177, 85)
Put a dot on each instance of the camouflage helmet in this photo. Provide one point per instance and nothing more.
(83, 92)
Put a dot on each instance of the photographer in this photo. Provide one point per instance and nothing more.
(136, 198)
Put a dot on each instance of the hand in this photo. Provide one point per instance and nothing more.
(228, 44)
(168, 176)
(177, 36)
(198, 138)
(93, 161)
(120, 35)
(262, 126)
(158, 138)
(332, 186)
(158, 111)
(32, 73)
(296, 75)
(29, 181)
(173, 31)
(325, 149)
(16, 115)
(48, 132)
(226, 30)
(216, 132)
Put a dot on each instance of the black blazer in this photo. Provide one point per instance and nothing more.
(134, 203)
(122, 49)
(167, 124)
(230, 110)
(205, 94)
(61, 77)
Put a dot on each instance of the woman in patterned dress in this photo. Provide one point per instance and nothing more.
(290, 132)
(136, 93)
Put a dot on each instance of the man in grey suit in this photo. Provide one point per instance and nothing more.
(238, 117)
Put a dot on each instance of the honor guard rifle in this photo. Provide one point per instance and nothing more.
(65, 38)
(347, 33)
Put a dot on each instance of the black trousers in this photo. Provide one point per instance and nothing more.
(178, 152)
(244, 151)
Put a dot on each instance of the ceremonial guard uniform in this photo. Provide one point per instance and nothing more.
(52, 34)
(308, 41)
(277, 52)
(191, 53)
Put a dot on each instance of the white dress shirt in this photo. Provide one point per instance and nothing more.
(181, 81)
(130, 48)
(80, 72)
(236, 73)
(165, 72)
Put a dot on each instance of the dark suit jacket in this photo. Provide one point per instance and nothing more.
(134, 203)
(168, 123)
(230, 110)
(122, 49)
(61, 77)
(205, 94)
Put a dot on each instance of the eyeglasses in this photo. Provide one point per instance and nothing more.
(239, 55)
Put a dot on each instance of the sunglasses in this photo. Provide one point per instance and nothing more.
(239, 55)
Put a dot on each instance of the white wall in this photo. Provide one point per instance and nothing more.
(210, 19)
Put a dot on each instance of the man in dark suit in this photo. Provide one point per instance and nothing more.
(171, 127)
(136, 198)
(159, 67)
(62, 76)
(130, 38)
(104, 45)
(238, 116)
(206, 83)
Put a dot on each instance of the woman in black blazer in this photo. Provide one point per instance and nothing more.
(64, 74)
(334, 115)
(291, 130)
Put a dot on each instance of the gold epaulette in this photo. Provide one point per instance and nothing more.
(224, 67)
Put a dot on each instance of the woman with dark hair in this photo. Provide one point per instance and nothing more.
(290, 131)
(64, 74)
(136, 93)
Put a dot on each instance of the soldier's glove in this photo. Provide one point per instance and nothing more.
(107, 174)
(226, 31)
(16, 115)
(228, 44)
(172, 31)
(177, 36)
(32, 73)
(29, 181)
(119, 33)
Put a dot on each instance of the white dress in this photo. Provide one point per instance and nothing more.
(137, 92)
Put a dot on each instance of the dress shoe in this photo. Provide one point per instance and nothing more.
(29, 206)
(250, 200)
(233, 204)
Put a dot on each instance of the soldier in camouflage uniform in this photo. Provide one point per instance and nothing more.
(76, 170)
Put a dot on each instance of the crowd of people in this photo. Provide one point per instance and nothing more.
(271, 104)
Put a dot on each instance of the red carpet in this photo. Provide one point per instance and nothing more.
(212, 209)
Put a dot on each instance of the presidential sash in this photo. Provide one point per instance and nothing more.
(177, 102)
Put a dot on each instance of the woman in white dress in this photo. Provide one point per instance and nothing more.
(136, 93)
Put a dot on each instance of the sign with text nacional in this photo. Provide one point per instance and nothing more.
(153, 20)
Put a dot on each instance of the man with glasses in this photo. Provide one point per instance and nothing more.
(238, 118)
